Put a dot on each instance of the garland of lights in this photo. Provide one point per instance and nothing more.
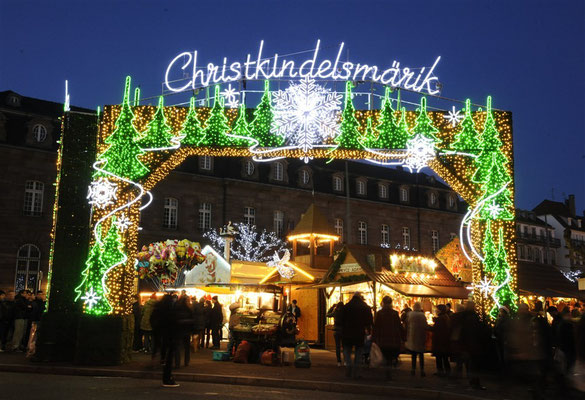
(301, 121)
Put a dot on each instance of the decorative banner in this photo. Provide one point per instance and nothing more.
(401, 263)
(452, 257)
(263, 67)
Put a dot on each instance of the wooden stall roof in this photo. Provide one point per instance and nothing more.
(313, 221)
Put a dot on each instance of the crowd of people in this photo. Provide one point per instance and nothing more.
(460, 340)
(20, 315)
(169, 327)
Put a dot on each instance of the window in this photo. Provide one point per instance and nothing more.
(250, 216)
(278, 223)
(171, 209)
(205, 163)
(28, 263)
(553, 258)
(250, 167)
(435, 240)
(363, 232)
(278, 171)
(337, 184)
(305, 177)
(385, 235)
(537, 255)
(339, 228)
(405, 237)
(39, 133)
(529, 253)
(521, 253)
(452, 236)
(383, 191)
(533, 232)
(451, 201)
(205, 216)
(433, 199)
(403, 194)
(33, 198)
(361, 187)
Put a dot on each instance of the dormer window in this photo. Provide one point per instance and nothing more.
(40, 133)
(249, 168)
(383, 191)
(305, 177)
(404, 195)
(451, 201)
(278, 171)
(433, 199)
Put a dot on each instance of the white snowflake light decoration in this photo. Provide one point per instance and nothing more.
(91, 298)
(419, 151)
(280, 264)
(230, 95)
(494, 210)
(102, 193)
(454, 117)
(306, 114)
(123, 223)
(485, 287)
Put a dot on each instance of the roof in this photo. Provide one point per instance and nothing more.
(530, 217)
(35, 106)
(313, 221)
(545, 280)
(375, 263)
(552, 208)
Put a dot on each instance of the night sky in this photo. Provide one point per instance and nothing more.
(529, 55)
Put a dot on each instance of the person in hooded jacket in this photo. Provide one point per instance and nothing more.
(416, 334)
(357, 319)
(387, 333)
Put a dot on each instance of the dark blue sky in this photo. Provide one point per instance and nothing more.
(529, 55)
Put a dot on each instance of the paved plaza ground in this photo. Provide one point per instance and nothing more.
(204, 374)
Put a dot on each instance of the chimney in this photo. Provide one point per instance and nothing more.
(570, 202)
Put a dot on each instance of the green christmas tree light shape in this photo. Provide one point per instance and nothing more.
(261, 125)
(192, 131)
(349, 136)
(387, 128)
(490, 260)
(158, 133)
(490, 143)
(369, 138)
(467, 140)
(505, 295)
(241, 128)
(121, 157)
(91, 290)
(423, 124)
(403, 131)
(499, 206)
(216, 125)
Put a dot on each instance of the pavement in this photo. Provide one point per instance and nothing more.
(324, 376)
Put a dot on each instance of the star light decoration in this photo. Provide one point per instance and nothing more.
(306, 114)
(102, 193)
(91, 298)
(419, 151)
(280, 264)
(454, 117)
(123, 223)
(485, 286)
(230, 95)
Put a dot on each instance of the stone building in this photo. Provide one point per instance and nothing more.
(387, 207)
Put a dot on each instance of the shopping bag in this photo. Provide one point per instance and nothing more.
(376, 356)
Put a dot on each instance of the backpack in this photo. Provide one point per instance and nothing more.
(243, 352)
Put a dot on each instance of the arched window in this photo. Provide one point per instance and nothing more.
(204, 216)
(361, 187)
(339, 228)
(305, 177)
(278, 223)
(28, 263)
(40, 133)
(452, 201)
(403, 195)
(433, 199)
(171, 211)
(385, 235)
(33, 198)
(435, 240)
(383, 191)
(406, 237)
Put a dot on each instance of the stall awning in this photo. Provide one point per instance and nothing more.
(244, 287)
(545, 280)
(450, 292)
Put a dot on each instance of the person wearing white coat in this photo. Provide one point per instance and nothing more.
(416, 333)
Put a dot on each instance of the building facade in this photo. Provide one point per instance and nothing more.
(373, 206)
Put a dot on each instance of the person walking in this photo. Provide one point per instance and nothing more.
(416, 334)
(357, 318)
(456, 340)
(169, 328)
(336, 312)
(441, 341)
(145, 325)
(6, 319)
(387, 333)
(501, 334)
(472, 335)
(38, 308)
(137, 344)
(185, 322)
(199, 321)
(207, 314)
(158, 319)
(20, 320)
(234, 320)
(216, 322)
